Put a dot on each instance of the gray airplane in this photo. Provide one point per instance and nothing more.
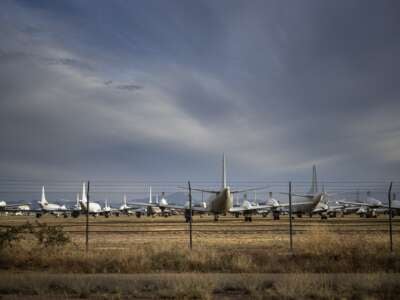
(221, 201)
(304, 204)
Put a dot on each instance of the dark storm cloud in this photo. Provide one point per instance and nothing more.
(145, 90)
(129, 87)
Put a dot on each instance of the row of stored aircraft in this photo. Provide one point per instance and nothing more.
(219, 203)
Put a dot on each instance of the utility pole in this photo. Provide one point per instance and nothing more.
(390, 216)
(290, 217)
(190, 218)
(87, 216)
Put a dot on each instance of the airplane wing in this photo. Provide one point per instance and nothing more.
(181, 207)
(200, 190)
(136, 204)
(299, 195)
(37, 210)
(248, 190)
(16, 205)
(294, 204)
(354, 203)
(252, 208)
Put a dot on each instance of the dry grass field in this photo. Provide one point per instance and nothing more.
(335, 258)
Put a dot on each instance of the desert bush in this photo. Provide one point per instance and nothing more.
(10, 235)
(49, 236)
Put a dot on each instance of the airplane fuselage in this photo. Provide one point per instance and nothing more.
(221, 202)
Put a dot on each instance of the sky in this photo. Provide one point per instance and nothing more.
(158, 90)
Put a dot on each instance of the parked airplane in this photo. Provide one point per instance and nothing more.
(51, 208)
(305, 203)
(220, 202)
(248, 209)
(275, 208)
(13, 207)
(365, 209)
(150, 208)
(94, 208)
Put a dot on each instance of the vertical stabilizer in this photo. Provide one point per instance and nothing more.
(157, 198)
(223, 171)
(43, 200)
(84, 199)
(314, 184)
(124, 200)
(150, 197)
(77, 199)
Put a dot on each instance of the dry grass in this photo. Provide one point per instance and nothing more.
(319, 250)
(204, 286)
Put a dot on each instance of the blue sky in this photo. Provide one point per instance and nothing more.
(159, 89)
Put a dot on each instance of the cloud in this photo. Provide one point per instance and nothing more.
(157, 92)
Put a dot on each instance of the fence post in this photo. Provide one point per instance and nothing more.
(87, 216)
(390, 216)
(290, 217)
(190, 218)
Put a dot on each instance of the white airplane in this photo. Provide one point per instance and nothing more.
(94, 208)
(247, 209)
(365, 209)
(125, 208)
(13, 207)
(275, 208)
(107, 210)
(51, 208)
(77, 206)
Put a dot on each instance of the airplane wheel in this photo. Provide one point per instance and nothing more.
(38, 215)
(250, 219)
(216, 217)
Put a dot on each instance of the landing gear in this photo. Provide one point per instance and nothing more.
(216, 217)
(324, 217)
(276, 215)
(299, 215)
(332, 215)
(248, 219)
(38, 215)
(236, 215)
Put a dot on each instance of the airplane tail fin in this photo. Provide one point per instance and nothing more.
(84, 198)
(314, 183)
(124, 201)
(150, 197)
(43, 200)
(223, 171)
